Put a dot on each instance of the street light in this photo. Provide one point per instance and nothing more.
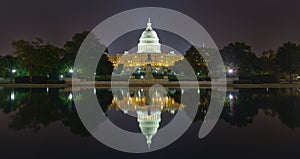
(230, 96)
(13, 71)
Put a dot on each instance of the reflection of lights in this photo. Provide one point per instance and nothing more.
(13, 71)
(47, 89)
(230, 71)
(267, 89)
(95, 91)
(12, 96)
(230, 96)
(198, 91)
(172, 111)
(70, 97)
(182, 91)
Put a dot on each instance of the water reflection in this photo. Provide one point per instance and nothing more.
(35, 109)
(146, 104)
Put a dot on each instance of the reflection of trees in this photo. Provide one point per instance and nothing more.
(203, 103)
(35, 109)
(38, 111)
(105, 98)
(241, 110)
(9, 105)
(285, 106)
(280, 103)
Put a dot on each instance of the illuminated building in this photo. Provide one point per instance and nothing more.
(149, 52)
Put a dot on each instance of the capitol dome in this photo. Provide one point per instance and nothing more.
(149, 41)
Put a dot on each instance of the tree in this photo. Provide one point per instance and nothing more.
(180, 67)
(198, 63)
(9, 63)
(105, 67)
(288, 59)
(38, 58)
(267, 62)
(71, 48)
(240, 56)
(49, 60)
(26, 51)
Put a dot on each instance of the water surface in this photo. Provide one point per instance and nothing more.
(255, 123)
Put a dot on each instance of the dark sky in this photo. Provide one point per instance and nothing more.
(264, 24)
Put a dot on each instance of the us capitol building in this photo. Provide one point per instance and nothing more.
(149, 52)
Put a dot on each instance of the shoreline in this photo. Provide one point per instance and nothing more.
(106, 84)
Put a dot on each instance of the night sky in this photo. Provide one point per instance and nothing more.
(263, 24)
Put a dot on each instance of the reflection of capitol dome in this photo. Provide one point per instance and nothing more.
(148, 104)
(149, 123)
(149, 41)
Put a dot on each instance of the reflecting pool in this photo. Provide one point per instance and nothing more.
(255, 123)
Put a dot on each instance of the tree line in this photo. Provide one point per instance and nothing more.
(38, 58)
(283, 63)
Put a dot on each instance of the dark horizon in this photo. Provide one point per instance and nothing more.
(263, 25)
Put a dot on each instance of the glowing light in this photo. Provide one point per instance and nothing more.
(12, 96)
(47, 89)
(61, 76)
(71, 71)
(230, 96)
(13, 71)
(70, 97)
(142, 77)
(230, 71)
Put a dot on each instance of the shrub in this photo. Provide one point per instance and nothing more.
(242, 82)
(37, 80)
(259, 79)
